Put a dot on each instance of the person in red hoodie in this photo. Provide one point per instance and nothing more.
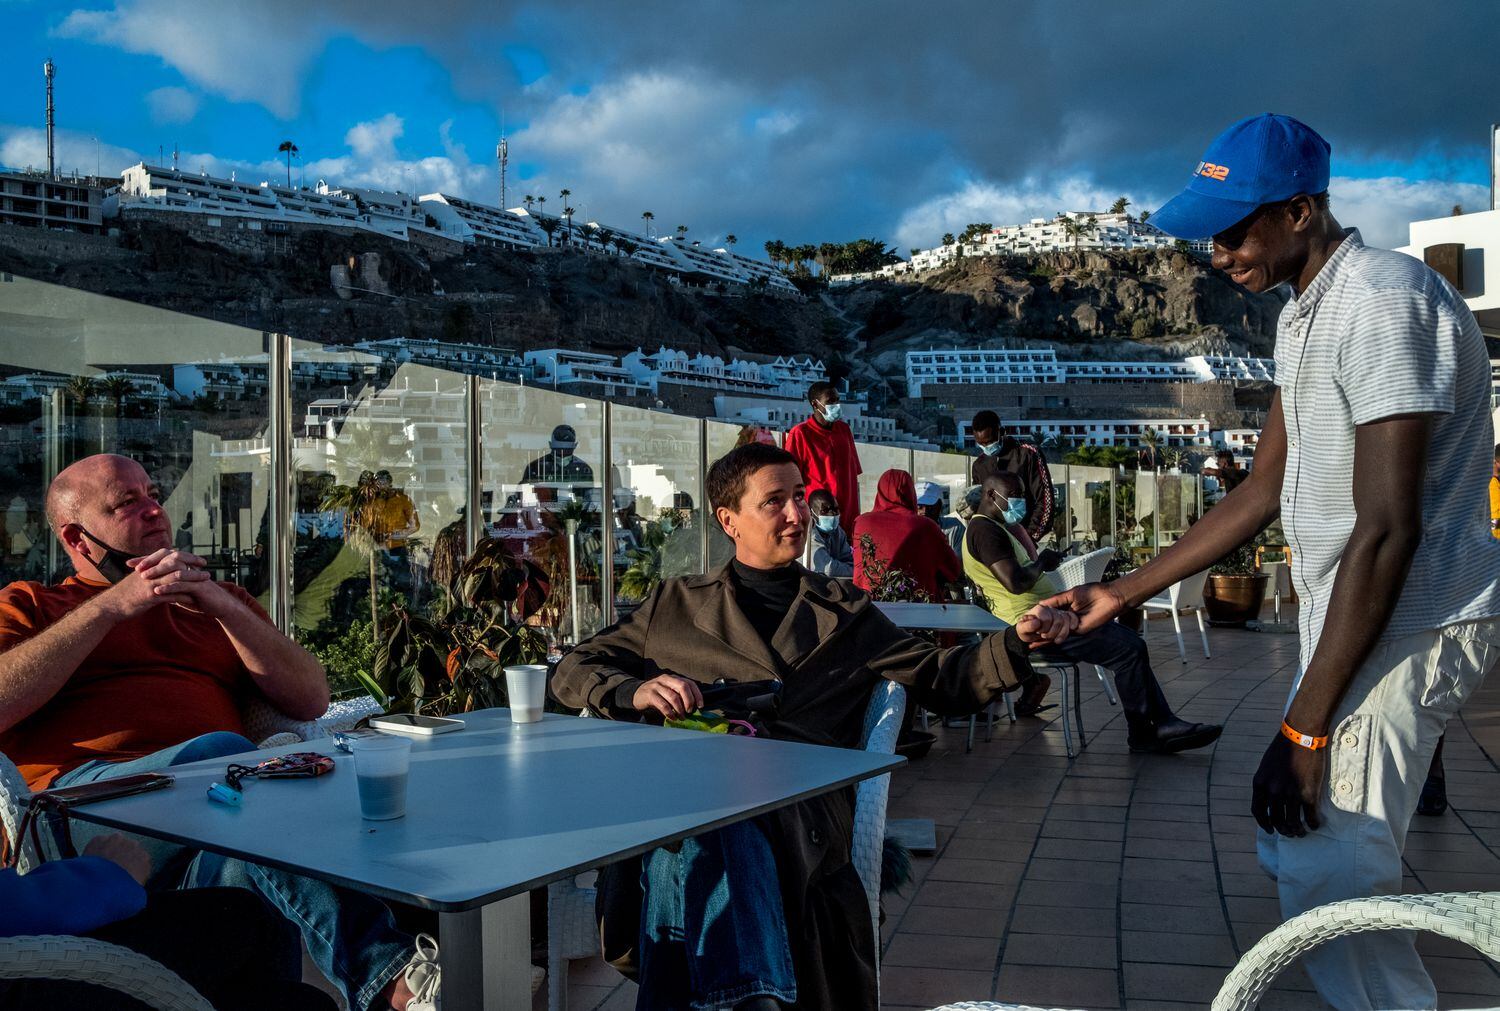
(824, 448)
(903, 538)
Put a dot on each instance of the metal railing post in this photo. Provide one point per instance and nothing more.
(1067, 500)
(1114, 523)
(705, 509)
(473, 466)
(52, 453)
(281, 524)
(607, 522)
(577, 619)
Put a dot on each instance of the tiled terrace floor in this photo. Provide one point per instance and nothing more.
(1124, 881)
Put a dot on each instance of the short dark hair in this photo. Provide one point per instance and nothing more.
(822, 496)
(1004, 479)
(817, 389)
(727, 476)
(985, 419)
(1497, 456)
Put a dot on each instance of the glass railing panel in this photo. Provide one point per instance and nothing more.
(543, 465)
(875, 460)
(86, 374)
(658, 510)
(949, 471)
(1089, 507)
(379, 482)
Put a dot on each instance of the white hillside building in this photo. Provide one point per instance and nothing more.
(481, 224)
(989, 366)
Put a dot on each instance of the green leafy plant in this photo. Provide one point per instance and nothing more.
(888, 583)
(645, 570)
(455, 661)
(1239, 562)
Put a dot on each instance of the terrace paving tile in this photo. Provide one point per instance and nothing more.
(1131, 880)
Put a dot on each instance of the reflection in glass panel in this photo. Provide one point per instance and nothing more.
(950, 472)
(1089, 495)
(658, 518)
(543, 457)
(86, 374)
(378, 486)
(875, 460)
(1139, 529)
(721, 438)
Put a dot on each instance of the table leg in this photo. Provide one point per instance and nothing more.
(486, 956)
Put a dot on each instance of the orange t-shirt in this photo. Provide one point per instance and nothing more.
(156, 680)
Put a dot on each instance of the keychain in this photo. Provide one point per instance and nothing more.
(300, 765)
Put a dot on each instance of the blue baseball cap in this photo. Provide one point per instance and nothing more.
(1256, 161)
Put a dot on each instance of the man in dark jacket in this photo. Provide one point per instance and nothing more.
(761, 617)
(998, 451)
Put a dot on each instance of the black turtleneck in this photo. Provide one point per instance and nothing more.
(765, 595)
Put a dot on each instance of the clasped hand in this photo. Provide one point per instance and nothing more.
(171, 576)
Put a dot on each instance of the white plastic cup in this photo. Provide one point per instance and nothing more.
(381, 763)
(526, 684)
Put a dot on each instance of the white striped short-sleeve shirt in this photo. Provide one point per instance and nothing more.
(1378, 334)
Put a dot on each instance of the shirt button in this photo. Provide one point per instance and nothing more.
(1350, 740)
(1345, 786)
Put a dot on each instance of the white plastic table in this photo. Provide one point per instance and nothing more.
(942, 617)
(492, 811)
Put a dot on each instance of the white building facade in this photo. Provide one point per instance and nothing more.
(990, 366)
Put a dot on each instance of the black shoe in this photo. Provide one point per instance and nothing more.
(1171, 736)
(1434, 799)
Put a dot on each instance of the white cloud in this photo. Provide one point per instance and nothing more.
(376, 140)
(982, 200)
(24, 147)
(1383, 208)
(172, 105)
(247, 52)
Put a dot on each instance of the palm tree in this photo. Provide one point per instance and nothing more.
(682, 231)
(548, 225)
(648, 217)
(1073, 229)
(947, 238)
(366, 526)
(291, 152)
(82, 389)
(541, 205)
(1144, 216)
(730, 240)
(627, 247)
(1150, 446)
(117, 388)
(528, 201)
(1118, 207)
(568, 213)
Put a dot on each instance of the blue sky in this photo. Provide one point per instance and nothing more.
(774, 120)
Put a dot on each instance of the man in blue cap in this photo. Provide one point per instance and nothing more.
(1369, 457)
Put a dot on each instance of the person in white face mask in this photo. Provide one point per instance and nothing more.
(823, 446)
(832, 554)
(999, 451)
(1003, 562)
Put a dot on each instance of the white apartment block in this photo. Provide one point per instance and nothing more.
(154, 188)
(470, 359)
(781, 415)
(16, 390)
(1239, 441)
(989, 366)
(480, 224)
(247, 377)
(785, 376)
(1080, 230)
(584, 372)
(1177, 433)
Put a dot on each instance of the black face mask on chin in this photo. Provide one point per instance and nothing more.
(112, 566)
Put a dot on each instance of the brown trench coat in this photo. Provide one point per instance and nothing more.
(830, 651)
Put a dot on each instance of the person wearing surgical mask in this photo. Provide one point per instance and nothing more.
(824, 448)
(1003, 562)
(832, 554)
(998, 451)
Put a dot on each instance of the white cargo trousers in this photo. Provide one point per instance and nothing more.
(1380, 747)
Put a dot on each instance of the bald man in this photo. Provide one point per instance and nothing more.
(140, 661)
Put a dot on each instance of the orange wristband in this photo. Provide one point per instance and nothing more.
(1302, 740)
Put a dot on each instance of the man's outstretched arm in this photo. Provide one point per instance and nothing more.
(1243, 513)
(1390, 467)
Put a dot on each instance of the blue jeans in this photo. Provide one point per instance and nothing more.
(712, 928)
(351, 936)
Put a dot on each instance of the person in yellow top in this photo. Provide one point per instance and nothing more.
(1002, 560)
(1495, 495)
(398, 515)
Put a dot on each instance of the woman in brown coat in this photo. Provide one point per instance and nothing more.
(763, 616)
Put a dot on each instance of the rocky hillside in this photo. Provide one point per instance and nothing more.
(338, 287)
(1139, 304)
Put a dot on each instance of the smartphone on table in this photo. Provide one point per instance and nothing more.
(409, 723)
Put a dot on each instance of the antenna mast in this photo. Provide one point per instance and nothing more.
(502, 155)
(47, 70)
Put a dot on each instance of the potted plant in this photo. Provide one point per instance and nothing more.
(454, 660)
(1235, 590)
(1130, 617)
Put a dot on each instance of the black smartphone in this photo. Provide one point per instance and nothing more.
(109, 789)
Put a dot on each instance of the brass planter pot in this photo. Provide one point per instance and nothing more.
(1233, 600)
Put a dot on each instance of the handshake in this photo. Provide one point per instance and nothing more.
(1073, 612)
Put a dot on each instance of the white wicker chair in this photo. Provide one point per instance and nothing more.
(573, 932)
(1470, 917)
(82, 960)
